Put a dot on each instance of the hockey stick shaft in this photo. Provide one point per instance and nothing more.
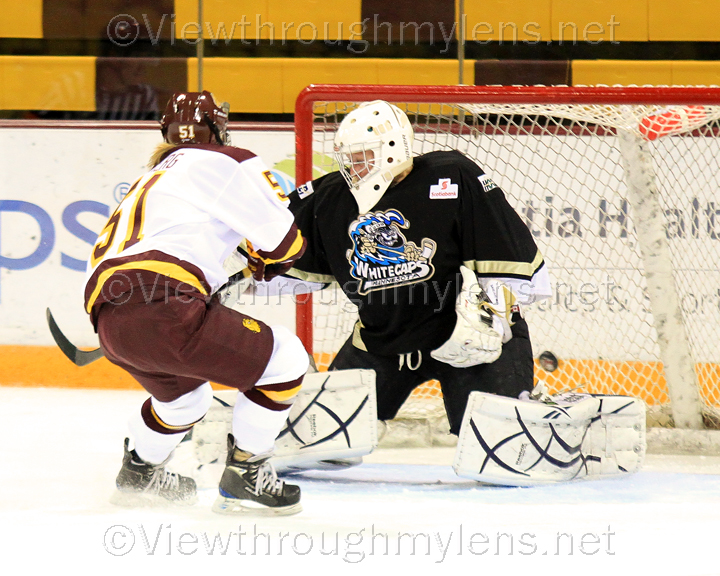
(76, 356)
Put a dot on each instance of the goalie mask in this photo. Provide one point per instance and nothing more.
(372, 146)
(195, 118)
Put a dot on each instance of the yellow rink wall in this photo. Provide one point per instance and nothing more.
(638, 20)
(46, 366)
(271, 85)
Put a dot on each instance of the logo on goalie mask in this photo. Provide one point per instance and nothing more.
(382, 256)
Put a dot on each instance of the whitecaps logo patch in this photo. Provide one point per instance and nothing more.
(381, 255)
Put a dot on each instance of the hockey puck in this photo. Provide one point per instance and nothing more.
(548, 361)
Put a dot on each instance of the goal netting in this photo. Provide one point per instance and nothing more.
(620, 188)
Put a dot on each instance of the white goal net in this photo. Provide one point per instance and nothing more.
(620, 188)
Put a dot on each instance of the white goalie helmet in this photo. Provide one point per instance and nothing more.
(372, 146)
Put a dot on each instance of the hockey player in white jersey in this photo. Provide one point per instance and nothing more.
(151, 289)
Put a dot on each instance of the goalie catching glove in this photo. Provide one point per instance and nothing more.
(482, 326)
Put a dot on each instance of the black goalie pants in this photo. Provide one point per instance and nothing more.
(398, 376)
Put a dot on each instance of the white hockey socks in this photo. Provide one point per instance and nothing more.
(255, 427)
(155, 447)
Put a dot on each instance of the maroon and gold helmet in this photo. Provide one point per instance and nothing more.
(194, 118)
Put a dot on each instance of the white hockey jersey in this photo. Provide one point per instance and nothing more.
(184, 217)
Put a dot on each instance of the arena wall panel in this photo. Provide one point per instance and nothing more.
(647, 72)
(689, 72)
(248, 84)
(599, 21)
(47, 83)
(486, 20)
(137, 88)
(316, 19)
(21, 19)
(688, 21)
(406, 20)
(49, 221)
(244, 20)
(523, 72)
(494, 19)
(95, 19)
(271, 85)
(227, 19)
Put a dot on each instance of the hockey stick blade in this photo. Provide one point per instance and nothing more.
(76, 356)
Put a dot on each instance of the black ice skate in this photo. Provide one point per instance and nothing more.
(249, 485)
(142, 484)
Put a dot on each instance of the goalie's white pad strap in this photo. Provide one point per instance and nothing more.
(616, 441)
(334, 417)
(526, 442)
(502, 304)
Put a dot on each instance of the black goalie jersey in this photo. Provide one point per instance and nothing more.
(400, 262)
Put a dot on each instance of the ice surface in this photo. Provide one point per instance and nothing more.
(402, 511)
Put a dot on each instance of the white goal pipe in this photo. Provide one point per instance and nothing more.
(667, 313)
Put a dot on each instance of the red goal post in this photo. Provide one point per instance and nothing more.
(622, 145)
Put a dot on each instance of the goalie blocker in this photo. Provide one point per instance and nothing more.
(332, 422)
(553, 439)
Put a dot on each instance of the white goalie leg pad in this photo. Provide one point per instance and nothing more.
(522, 442)
(334, 417)
(527, 442)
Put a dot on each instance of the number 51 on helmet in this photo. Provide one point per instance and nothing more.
(195, 118)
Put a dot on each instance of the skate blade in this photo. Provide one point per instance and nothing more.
(234, 506)
(141, 500)
(325, 465)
